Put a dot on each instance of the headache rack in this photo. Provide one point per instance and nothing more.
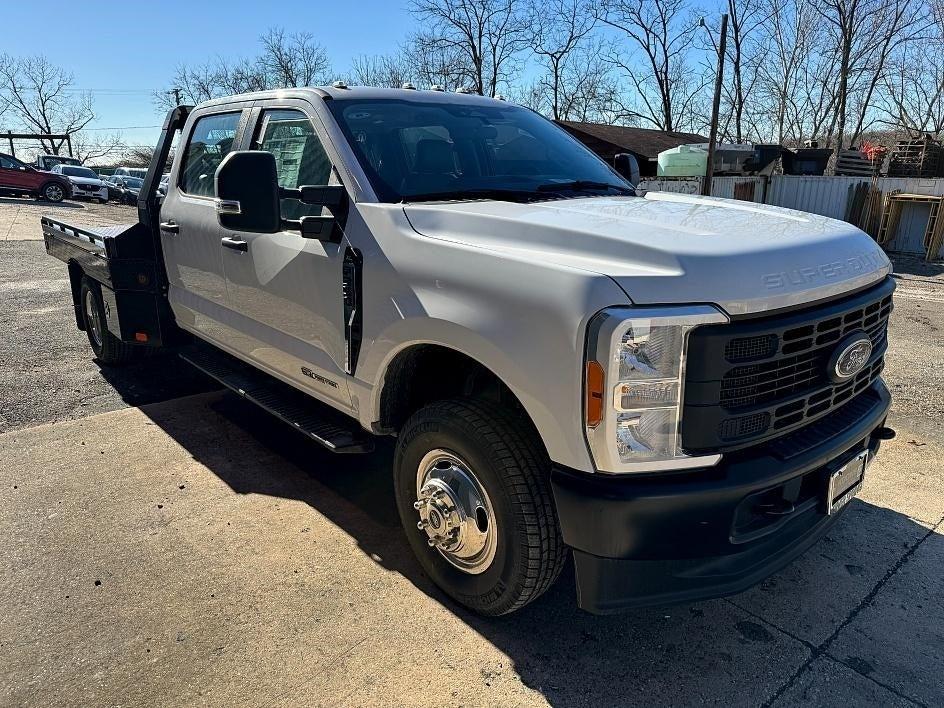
(755, 380)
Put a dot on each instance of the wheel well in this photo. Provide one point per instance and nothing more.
(75, 280)
(425, 373)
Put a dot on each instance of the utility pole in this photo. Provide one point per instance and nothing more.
(176, 92)
(716, 106)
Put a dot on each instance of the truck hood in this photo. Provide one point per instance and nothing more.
(673, 248)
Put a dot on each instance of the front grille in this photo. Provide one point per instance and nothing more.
(758, 379)
(746, 386)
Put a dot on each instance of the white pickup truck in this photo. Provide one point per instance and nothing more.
(682, 392)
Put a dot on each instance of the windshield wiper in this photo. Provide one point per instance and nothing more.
(582, 185)
(483, 193)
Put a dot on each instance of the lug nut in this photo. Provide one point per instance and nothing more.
(422, 524)
(419, 504)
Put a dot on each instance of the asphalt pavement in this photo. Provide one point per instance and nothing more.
(166, 548)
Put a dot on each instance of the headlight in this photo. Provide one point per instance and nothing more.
(634, 386)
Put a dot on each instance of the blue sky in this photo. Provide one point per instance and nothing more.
(123, 51)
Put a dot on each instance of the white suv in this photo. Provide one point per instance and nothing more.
(85, 182)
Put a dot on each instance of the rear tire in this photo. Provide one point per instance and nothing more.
(52, 192)
(485, 442)
(107, 347)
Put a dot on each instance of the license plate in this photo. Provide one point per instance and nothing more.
(845, 483)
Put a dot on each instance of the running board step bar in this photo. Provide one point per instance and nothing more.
(319, 422)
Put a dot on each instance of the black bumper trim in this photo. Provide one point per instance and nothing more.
(656, 540)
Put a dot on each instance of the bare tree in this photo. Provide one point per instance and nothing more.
(743, 56)
(488, 35)
(589, 92)
(293, 60)
(911, 98)
(385, 70)
(663, 33)
(863, 34)
(558, 29)
(434, 63)
(89, 148)
(286, 60)
(38, 95)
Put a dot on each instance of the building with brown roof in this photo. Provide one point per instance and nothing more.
(643, 143)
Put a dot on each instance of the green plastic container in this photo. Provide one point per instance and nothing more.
(683, 161)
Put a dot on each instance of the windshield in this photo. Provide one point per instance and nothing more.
(78, 172)
(50, 161)
(133, 182)
(415, 151)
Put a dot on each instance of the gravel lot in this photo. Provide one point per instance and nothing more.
(192, 550)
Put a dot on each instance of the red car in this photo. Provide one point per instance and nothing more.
(19, 178)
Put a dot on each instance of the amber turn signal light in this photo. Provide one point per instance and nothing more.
(594, 389)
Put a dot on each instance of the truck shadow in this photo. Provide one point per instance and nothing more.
(721, 650)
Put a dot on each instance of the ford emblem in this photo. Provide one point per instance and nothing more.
(850, 357)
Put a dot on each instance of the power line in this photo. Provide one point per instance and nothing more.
(127, 127)
(110, 90)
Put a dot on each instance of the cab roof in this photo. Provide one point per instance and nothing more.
(359, 92)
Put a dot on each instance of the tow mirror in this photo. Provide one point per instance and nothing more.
(247, 192)
(332, 197)
(627, 166)
(248, 198)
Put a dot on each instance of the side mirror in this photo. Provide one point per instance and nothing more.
(626, 165)
(247, 192)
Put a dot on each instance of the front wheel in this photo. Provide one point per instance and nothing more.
(473, 491)
(107, 347)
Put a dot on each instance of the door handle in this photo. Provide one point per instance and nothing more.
(235, 243)
(170, 227)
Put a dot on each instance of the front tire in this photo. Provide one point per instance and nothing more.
(473, 492)
(107, 347)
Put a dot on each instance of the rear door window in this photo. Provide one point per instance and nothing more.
(212, 138)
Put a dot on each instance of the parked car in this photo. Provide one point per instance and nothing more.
(138, 172)
(85, 182)
(114, 190)
(130, 187)
(18, 178)
(47, 162)
(162, 185)
(682, 393)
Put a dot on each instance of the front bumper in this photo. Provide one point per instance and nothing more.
(79, 191)
(669, 538)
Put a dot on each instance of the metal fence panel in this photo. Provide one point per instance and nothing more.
(683, 185)
(724, 187)
(720, 186)
(827, 196)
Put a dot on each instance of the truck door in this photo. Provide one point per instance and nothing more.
(287, 289)
(190, 232)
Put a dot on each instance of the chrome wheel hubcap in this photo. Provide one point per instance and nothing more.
(455, 512)
(94, 321)
(54, 193)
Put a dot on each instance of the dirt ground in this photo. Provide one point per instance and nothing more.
(166, 548)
